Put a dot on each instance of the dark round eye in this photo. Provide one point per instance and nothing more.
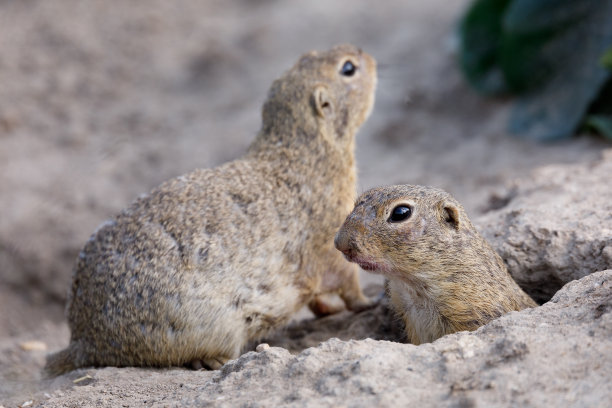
(400, 213)
(348, 69)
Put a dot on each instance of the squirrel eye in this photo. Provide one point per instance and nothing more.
(400, 213)
(348, 69)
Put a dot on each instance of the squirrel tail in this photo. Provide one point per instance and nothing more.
(60, 362)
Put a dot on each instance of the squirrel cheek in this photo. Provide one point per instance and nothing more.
(417, 230)
(409, 236)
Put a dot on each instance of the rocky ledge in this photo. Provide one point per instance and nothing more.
(551, 229)
(559, 354)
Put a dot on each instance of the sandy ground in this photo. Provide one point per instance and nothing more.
(100, 101)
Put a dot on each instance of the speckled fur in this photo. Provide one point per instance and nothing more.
(213, 259)
(443, 276)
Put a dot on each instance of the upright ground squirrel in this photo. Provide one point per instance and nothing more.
(212, 259)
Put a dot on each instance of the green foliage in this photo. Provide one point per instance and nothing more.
(601, 124)
(481, 29)
(606, 59)
(550, 54)
(599, 118)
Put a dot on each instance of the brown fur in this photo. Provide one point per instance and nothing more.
(213, 259)
(444, 277)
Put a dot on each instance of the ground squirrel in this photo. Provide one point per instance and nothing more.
(443, 276)
(213, 259)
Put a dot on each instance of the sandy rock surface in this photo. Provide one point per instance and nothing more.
(559, 354)
(555, 226)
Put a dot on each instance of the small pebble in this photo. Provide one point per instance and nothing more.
(33, 345)
(83, 378)
(262, 347)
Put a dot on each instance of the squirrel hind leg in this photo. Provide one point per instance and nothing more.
(324, 305)
(342, 278)
(209, 363)
(351, 292)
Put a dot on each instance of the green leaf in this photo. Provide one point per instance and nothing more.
(606, 59)
(551, 52)
(530, 29)
(480, 39)
(601, 124)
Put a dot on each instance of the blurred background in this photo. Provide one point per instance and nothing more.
(102, 100)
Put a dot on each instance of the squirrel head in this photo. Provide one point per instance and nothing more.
(327, 93)
(398, 229)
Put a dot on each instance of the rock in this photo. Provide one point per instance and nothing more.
(262, 347)
(559, 354)
(555, 226)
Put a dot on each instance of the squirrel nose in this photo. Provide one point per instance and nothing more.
(343, 243)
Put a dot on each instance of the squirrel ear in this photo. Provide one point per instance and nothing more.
(450, 214)
(322, 102)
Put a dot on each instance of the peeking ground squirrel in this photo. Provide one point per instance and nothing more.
(443, 276)
(213, 259)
